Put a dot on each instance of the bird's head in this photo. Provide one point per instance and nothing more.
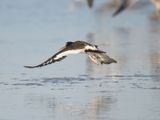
(68, 43)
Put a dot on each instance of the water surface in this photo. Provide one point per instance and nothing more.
(33, 30)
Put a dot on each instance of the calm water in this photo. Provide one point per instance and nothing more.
(33, 30)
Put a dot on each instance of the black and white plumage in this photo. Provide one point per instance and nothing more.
(75, 48)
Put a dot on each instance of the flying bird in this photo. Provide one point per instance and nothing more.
(126, 3)
(90, 3)
(96, 56)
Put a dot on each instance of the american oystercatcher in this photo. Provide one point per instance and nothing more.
(97, 56)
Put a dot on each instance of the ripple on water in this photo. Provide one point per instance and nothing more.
(27, 84)
(139, 81)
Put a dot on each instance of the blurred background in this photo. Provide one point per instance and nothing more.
(33, 30)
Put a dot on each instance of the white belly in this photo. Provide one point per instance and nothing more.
(69, 52)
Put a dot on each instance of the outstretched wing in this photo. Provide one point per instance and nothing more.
(47, 62)
(94, 51)
(55, 58)
(102, 58)
(93, 55)
(105, 59)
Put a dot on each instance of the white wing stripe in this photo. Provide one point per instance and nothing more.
(68, 52)
(88, 47)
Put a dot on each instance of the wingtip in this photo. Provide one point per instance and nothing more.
(114, 61)
(109, 61)
(115, 14)
(121, 8)
(29, 66)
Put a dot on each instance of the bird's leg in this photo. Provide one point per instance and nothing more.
(93, 59)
